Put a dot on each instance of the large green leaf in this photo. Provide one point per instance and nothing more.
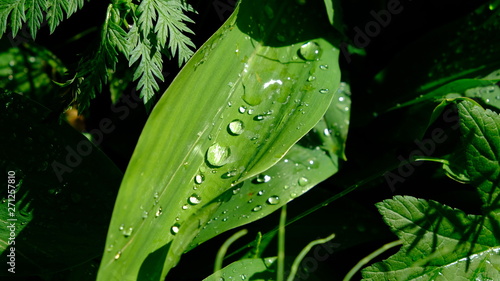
(252, 91)
(439, 243)
(64, 189)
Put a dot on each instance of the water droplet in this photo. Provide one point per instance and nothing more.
(260, 193)
(310, 51)
(175, 229)
(224, 219)
(118, 255)
(273, 200)
(324, 91)
(217, 155)
(242, 109)
(257, 208)
(145, 215)
(194, 199)
(128, 232)
(303, 181)
(243, 276)
(236, 190)
(230, 174)
(185, 207)
(258, 118)
(198, 179)
(236, 127)
(250, 111)
(110, 247)
(311, 78)
(156, 195)
(158, 213)
(323, 67)
(121, 227)
(263, 178)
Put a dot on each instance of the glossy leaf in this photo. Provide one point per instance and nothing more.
(439, 243)
(64, 186)
(233, 111)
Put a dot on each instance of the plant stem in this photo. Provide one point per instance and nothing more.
(281, 245)
(303, 253)
(223, 249)
(371, 256)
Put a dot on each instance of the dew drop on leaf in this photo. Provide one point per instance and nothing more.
(310, 51)
(257, 208)
(303, 181)
(198, 179)
(311, 78)
(260, 193)
(128, 232)
(263, 178)
(122, 226)
(217, 155)
(175, 229)
(159, 212)
(324, 91)
(242, 109)
(118, 255)
(230, 174)
(194, 199)
(323, 67)
(145, 215)
(236, 127)
(273, 200)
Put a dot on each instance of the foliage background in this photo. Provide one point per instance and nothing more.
(372, 142)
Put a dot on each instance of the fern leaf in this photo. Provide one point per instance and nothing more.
(13, 10)
(147, 15)
(55, 13)
(34, 15)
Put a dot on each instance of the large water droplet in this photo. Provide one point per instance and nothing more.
(310, 51)
(303, 181)
(273, 200)
(217, 155)
(236, 127)
(194, 199)
(242, 109)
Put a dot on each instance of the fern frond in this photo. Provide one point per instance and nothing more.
(34, 15)
(13, 10)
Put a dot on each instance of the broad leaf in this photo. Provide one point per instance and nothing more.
(439, 243)
(252, 91)
(64, 188)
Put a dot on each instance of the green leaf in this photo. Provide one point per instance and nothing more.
(64, 185)
(246, 73)
(34, 14)
(329, 10)
(55, 12)
(13, 10)
(251, 269)
(300, 170)
(481, 145)
(439, 243)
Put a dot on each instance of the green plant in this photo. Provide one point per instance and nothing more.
(253, 120)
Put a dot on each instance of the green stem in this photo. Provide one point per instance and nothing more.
(303, 253)
(281, 245)
(223, 249)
